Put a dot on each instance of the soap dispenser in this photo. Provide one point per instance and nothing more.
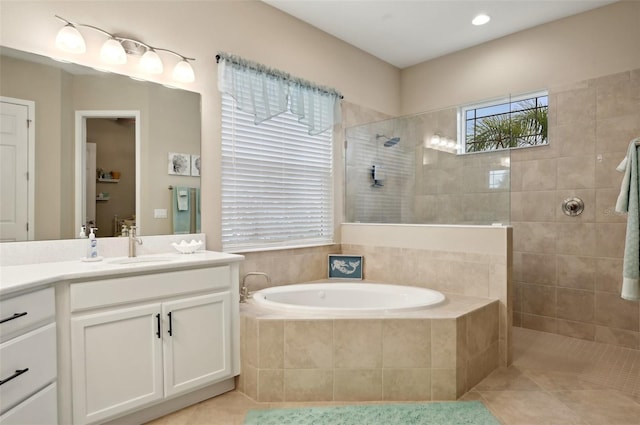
(83, 232)
(93, 246)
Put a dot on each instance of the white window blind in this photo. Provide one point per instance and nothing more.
(276, 182)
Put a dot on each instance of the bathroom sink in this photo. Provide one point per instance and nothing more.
(141, 260)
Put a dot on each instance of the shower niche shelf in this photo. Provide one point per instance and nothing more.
(104, 180)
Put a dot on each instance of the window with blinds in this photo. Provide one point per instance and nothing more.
(276, 182)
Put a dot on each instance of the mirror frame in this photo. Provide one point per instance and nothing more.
(80, 165)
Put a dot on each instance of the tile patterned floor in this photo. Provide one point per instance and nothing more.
(553, 380)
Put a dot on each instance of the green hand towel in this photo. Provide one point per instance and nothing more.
(181, 211)
(629, 202)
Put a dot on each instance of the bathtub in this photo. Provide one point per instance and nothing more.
(346, 299)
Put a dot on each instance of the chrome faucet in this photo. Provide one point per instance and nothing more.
(133, 240)
(244, 290)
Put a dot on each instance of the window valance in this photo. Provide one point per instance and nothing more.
(265, 93)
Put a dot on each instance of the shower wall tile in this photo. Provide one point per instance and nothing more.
(538, 206)
(539, 323)
(537, 237)
(609, 275)
(539, 174)
(576, 172)
(576, 272)
(614, 134)
(605, 207)
(574, 304)
(576, 106)
(615, 312)
(576, 329)
(576, 138)
(618, 98)
(621, 337)
(610, 239)
(538, 300)
(536, 268)
(576, 239)
(606, 175)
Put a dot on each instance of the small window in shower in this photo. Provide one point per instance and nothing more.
(516, 122)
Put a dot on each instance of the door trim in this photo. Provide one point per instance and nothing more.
(80, 155)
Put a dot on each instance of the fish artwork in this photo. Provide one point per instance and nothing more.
(344, 266)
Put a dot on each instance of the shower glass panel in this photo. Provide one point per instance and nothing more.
(410, 170)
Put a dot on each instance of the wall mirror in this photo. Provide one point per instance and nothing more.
(91, 130)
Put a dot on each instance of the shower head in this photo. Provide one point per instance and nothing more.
(391, 141)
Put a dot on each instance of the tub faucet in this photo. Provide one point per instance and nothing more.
(244, 290)
(133, 241)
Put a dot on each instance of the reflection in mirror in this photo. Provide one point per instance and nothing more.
(59, 101)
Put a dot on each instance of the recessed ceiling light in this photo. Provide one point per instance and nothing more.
(481, 19)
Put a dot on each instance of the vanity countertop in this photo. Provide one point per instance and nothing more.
(19, 278)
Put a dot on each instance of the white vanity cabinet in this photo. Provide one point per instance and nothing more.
(28, 390)
(139, 340)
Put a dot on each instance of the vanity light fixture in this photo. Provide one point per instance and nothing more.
(115, 50)
(481, 19)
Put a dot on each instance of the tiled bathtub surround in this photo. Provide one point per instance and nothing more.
(568, 270)
(438, 354)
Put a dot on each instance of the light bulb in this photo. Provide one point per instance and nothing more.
(481, 19)
(113, 52)
(150, 62)
(183, 72)
(70, 40)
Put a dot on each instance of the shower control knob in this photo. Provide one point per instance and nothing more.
(572, 206)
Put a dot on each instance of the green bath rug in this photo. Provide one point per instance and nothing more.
(441, 413)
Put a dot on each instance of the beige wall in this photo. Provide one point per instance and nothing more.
(592, 44)
(250, 29)
(43, 85)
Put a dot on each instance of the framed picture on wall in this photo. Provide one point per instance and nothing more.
(179, 164)
(195, 165)
(345, 266)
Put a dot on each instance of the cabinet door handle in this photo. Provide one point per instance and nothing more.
(170, 325)
(15, 316)
(15, 375)
(158, 319)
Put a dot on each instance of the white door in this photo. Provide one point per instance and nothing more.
(14, 171)
(117, 362)
(197, 341)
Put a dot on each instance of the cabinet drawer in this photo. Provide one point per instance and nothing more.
(39, 409)
(34, 351)
(26, 312)
(110, 292)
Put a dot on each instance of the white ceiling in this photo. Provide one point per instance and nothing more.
(407, 32)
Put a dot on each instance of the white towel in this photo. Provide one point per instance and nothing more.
(629, 202)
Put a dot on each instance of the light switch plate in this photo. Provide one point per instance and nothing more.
(160, 213)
